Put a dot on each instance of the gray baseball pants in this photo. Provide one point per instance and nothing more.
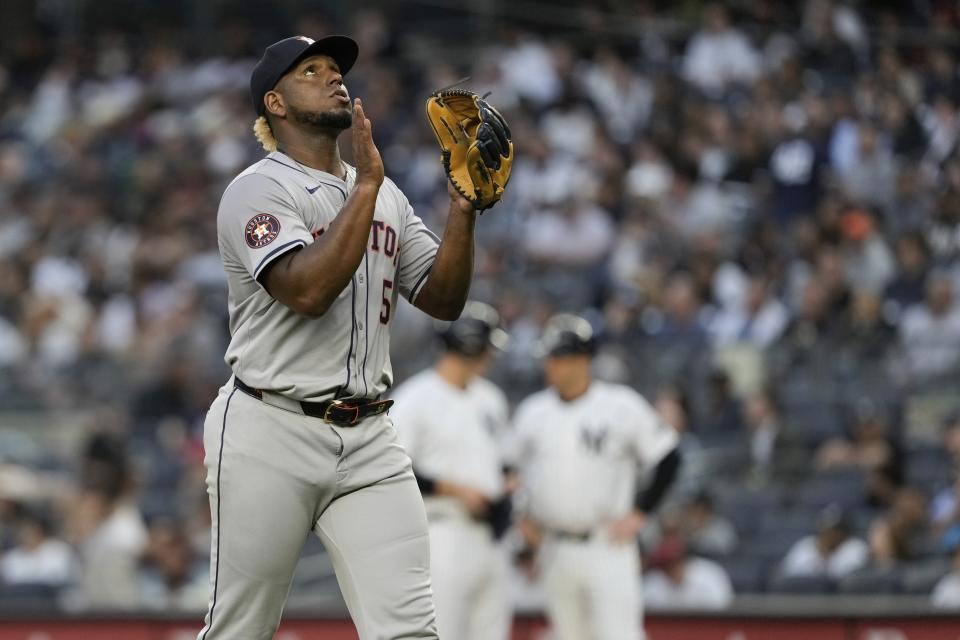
(274, 476)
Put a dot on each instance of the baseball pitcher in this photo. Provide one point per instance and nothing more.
(298, 441)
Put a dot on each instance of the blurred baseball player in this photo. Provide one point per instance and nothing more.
(579, 445)
(298, 440)
(450, 421)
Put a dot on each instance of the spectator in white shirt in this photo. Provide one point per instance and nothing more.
(697, 523)
(570, 127)
(676, 580)
(107, 528)
(719, 55)
(707, 531)
(623, 97)
(112, 539)
(832, 553)
(577, 234)
(868, 262)
(172, 576)
(872, 177)
(946, 593)
(695, 208)
(759, 319)
(39, 558)
(930, 333)
(530, 70)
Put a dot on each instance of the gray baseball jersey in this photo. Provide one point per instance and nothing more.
(278, 205)
(273, 473)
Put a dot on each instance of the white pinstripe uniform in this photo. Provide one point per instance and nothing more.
(578, 464)
(455, 435)
(276, 474)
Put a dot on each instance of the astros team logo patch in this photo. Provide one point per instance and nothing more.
(262, 229)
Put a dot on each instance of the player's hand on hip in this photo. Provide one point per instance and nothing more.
(365, 152)
(531, 532)
(526, 560)
(627, 528)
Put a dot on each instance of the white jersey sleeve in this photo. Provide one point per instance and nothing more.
(258, 221)
(653, 438)
(418, 249)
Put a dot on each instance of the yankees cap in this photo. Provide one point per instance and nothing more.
(565, 335)
(279, 57)
(477, 330)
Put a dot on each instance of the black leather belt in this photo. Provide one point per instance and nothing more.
(343, 413)
(569, 536)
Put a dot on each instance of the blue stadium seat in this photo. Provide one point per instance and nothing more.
(872, 580)
(863, 518)
(846, 488)
(32, 597)
(800, 519)
(816, 420)
(920, 577)
(801, 584)
(745, 507)
(770, 546)
(928, 467)
(747, 574)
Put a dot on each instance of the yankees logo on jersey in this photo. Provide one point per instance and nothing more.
(593, 437)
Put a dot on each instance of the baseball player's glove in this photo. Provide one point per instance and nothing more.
(477, 151)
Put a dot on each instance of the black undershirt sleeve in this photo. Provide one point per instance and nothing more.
(428, 485)
(663, 477)
(498, 516)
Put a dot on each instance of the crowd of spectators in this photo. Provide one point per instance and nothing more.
(757, 205)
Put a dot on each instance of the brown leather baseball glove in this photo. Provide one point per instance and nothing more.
(477, 152)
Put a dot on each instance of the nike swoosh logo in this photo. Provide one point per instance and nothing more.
(314, 190)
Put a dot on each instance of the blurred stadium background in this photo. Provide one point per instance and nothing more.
(758, 202)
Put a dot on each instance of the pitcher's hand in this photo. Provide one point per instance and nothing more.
(365, 152)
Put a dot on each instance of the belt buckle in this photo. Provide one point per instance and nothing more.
(340, 404)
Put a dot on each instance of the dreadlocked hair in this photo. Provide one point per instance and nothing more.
(261, 129)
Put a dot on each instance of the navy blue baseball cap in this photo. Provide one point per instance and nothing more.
(566, 335)
(476, 330)
(279, 57)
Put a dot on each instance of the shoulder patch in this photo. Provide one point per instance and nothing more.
(262, 229)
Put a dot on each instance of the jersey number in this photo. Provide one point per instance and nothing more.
(385, 310)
